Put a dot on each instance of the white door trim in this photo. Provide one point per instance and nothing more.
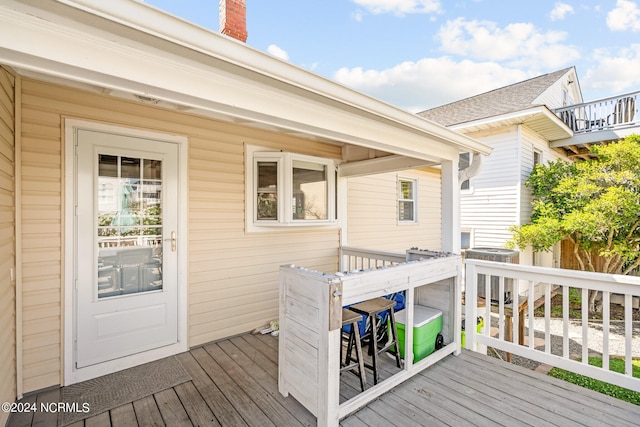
(72, 375)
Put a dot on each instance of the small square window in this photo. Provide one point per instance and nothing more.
(465, 239)
(406, 200)
(537, 157)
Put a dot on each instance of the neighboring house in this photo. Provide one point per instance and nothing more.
(519, 123)
(535, 121)
(154, 176)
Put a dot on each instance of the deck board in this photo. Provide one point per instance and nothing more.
(171, 409)
(234, 382)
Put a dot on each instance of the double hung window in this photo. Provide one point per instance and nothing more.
(406, 200)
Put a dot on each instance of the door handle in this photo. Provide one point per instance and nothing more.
(173, 241)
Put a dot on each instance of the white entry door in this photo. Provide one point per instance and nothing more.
(126, 251)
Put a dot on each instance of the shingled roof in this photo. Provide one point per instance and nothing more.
(516, 97)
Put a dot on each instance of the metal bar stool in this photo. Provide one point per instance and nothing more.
(352, 318)
(372, 308)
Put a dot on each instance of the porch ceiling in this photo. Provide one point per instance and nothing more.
(131, 50)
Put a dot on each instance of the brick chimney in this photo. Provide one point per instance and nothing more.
(233, 19)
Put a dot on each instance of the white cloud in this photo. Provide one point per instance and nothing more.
(625, 16)
(560, 10)
(517, 45)
(429, 82)
(400, 7)
(278, 52)
(614, 72)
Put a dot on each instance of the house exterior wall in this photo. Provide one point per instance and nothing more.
(232, 275)
(499, 198)
(7, 241)
(373, 212)
(529, 143)
(490, 206)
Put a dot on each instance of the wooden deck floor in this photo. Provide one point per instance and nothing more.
(234, 383)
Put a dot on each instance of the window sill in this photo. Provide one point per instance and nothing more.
(280, 227)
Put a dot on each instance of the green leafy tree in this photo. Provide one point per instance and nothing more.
(594, 203)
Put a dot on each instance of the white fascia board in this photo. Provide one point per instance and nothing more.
(243, 82)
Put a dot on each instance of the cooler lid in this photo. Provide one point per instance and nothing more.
(421, 315)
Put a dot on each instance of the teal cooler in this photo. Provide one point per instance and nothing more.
(427, 325)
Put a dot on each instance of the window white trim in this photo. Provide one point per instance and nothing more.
(414, 200)
(537, 153)
(284, 192)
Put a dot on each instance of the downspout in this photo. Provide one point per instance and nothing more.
(472, 170)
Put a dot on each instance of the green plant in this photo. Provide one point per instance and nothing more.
(595, 204)
(615, 365)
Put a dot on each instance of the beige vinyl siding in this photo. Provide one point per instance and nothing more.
(490, 207)
(232, 275)
(373, 212)
(7, 241)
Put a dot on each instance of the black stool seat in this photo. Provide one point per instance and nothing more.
(352, 318)
(372, 308)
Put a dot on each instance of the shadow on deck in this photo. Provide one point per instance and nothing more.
(235, 383)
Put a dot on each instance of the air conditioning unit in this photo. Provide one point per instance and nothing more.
(498, 255)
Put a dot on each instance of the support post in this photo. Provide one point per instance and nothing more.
(450, 199)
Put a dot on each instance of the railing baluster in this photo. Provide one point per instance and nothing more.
(606, 315)
(471, 306)
(530, 303)
(487, 306)
(515, 313)
(585, 326)
(565, 322)
(501, 308)
(628, 335)
(547, 317)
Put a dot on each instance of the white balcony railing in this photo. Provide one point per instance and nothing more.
(605, 114)
(553, 281)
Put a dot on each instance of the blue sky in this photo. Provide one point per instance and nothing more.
(418, 54)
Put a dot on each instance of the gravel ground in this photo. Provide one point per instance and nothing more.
(594, 339)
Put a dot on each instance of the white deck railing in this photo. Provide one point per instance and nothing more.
(354, 259)
(364, 259)
(604, 114)
(553, 280)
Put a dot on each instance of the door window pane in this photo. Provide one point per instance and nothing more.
(129, 225)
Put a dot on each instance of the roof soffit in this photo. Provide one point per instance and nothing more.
(539, 119)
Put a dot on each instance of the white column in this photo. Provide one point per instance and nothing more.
(450, 207)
